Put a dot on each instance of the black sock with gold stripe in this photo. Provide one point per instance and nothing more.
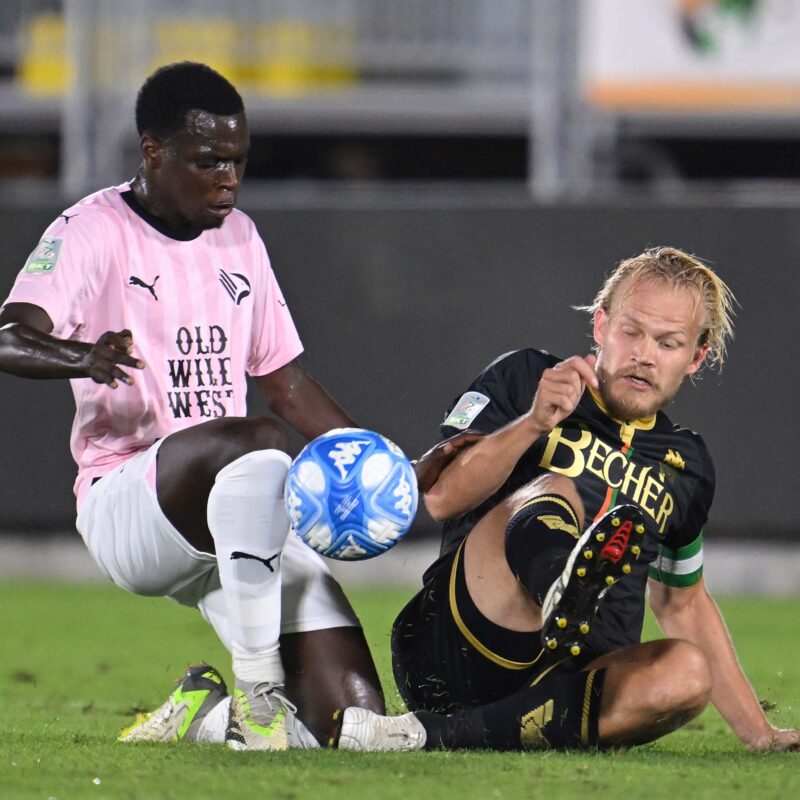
(560, 712)
(539, 537)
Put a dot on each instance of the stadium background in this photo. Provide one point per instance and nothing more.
(437, 183)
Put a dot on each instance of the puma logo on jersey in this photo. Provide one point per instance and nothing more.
(267, 562)
(235, 284)
(67, 218)
(134, 281)
(556, 523)
(673, 458)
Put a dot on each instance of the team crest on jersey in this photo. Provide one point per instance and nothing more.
(44, 258)
(235, 284)
(466, 409)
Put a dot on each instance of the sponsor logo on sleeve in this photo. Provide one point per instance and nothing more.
(45, 256)
(466, 409)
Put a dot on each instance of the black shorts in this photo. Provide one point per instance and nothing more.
(446, 655)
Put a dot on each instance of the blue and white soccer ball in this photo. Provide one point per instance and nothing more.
(351, 494)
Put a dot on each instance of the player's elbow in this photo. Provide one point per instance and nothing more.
(437, 505)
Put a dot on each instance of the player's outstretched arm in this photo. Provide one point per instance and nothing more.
(480, 470)
(691, 614)
(28, 350)
(301, 402)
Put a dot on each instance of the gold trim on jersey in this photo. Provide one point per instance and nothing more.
(587, 705)
(626, 428)
(467, 633)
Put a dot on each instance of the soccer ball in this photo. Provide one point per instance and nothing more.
(351, 494)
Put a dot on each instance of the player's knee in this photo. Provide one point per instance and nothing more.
(548, 483)
(242, 436)
(685, 682)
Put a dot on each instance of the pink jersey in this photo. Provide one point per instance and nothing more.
(202, 312)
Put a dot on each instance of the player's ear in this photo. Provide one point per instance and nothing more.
(599, 327)
(699, 357)
(151, 150)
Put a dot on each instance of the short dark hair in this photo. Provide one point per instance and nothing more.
(173, 90)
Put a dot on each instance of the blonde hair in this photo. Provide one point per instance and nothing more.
(677, 270)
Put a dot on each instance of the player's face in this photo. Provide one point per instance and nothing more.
(195, 175)
(648, 344)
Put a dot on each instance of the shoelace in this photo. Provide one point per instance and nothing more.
(266, 691)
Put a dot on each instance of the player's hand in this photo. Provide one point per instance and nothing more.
(102, 361)
(560, 390)
(777, 740)
(431, 463)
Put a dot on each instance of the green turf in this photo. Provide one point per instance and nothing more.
(77, 660)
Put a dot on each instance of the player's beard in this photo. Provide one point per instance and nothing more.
(626, 404)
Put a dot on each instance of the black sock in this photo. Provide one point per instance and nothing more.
(539, 537)
(560, 712)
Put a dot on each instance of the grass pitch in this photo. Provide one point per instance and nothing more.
(77, 660)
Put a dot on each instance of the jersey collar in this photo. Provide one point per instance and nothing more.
(627, 427)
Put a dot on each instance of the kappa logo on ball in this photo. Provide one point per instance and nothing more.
(351, 494)
(345, 454)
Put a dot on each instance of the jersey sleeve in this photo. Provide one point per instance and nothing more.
(679, 562)
(63, 272)
(274, 339)
(500, 394)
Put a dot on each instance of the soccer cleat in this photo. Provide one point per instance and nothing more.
(359, 729)
(604, 553)
(259, 719)
(181, 715)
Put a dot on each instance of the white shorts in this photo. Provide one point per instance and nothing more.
(139, 549)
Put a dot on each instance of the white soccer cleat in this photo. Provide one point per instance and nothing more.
(361, 729)
(259, 719)
(182, 713)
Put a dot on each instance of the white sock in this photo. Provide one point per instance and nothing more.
(247, 519)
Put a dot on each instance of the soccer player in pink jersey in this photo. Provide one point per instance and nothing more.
(156, 298)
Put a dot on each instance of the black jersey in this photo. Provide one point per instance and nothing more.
(663, 469)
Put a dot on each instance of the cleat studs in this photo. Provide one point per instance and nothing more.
(609, 580)
(587, 554)
(601, 537)
(575, 650)
(561, 622)
(584, 628)
(581, 572)
(551, 644)
(616, 522)
(626, 568)
(640, 529)
(636, 549)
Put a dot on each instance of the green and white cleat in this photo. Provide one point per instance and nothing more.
(260, 718)
(181, 715)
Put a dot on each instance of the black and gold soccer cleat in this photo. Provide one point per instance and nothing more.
(604, 554)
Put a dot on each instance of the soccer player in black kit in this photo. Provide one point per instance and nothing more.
(567, 492)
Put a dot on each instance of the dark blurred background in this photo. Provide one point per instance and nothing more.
(438, 183)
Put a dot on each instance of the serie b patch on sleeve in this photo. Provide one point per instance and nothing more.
(44, 258)
(466, 409)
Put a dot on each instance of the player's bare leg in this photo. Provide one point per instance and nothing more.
(328, 670)
(190, 460)
(651, 690)
(325, 669)
(493, 587)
